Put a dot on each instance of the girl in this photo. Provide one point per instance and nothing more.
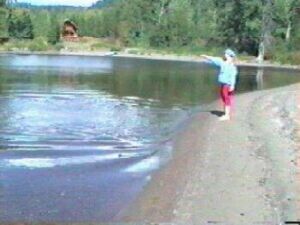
(226, 78)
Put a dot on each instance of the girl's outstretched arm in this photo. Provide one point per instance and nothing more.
(206, 57)
(214, 60)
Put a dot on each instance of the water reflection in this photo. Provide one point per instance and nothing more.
(57, 63)
(260, 79)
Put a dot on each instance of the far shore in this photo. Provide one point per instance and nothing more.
(151, 56)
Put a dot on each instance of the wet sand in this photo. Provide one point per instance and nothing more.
(245, 171)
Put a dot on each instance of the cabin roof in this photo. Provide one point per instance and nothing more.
(71, 23)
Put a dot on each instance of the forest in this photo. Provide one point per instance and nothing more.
(258, 27)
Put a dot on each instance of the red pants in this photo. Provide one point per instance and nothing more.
(226, 94)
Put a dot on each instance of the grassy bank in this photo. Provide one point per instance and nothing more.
(90, 45)
(41, 44)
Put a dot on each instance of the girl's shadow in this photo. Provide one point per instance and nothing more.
(217, 113)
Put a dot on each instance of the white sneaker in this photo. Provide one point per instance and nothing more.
(224, 118)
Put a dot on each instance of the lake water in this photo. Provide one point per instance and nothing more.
(81, 136)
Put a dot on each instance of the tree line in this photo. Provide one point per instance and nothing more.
(247, 26)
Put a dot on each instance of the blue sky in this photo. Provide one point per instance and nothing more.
(60, 2)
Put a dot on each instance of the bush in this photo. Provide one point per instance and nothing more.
(133, 51)
(38, 44)
(285, 57)
(16, 45)
(115, 49)
(59, 46)
(98, 45)
(101, 45)
(295, 58)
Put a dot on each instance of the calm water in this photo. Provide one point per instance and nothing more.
(80, 136)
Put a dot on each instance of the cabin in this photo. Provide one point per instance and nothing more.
(69, 31)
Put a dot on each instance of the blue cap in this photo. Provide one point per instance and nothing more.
(230, 52)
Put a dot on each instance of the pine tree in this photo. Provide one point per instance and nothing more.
(27, 29)
(54, 30)
(20, 25)
(5, 3)
(3, 20)
(3, 23)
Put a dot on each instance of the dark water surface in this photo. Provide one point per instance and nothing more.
(81, 136)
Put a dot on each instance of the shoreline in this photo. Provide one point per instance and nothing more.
(168, 57)
(242, 172)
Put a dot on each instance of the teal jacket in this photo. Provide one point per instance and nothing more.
(228, 72)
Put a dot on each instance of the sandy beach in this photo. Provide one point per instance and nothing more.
(245, 171)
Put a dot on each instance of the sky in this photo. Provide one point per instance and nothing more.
(60, 2)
